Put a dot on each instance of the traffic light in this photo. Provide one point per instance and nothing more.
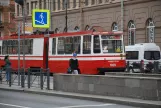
(20, 2)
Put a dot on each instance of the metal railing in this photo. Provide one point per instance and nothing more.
(141, 67)
(39, 78)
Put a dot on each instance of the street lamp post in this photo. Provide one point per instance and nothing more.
(23, 4)
(66, 17)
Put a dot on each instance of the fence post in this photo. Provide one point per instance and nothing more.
(156, 66)
(48, 79)
(22, 78)
(41, 79)
(10, 76)
(29, 78)
(141, 66)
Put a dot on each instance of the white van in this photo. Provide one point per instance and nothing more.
(146, 53)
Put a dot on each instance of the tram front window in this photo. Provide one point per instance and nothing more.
(111, 46)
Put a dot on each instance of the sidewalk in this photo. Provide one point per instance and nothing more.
(117, 100)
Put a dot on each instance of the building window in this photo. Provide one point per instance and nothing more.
(87, 28)
(86, 2)
(68, 3)
(27, 8)
(100, 1)
(40, 4)
(131, 33)
(76, 28)
(93, 2)
(74, 3)
(54, 5)
(44, 4)
(114, 27)
(58, 4)
(18, 12)
(150, 28)
(65, 29)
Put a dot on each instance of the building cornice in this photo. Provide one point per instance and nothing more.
(91, 8)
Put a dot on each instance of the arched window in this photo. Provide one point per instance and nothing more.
(150, 28)
(114, 27)
(76, 28)
(131, 33)
(65, 29)
(87, 28)
(56, 30)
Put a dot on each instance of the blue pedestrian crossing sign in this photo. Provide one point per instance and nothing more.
(40, 18)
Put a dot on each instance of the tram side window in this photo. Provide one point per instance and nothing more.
(96, 45)
(4, 47)
(60, 48)
(31, 47)
(54, 46)
(76, 44)
(68, 46)
(15, 47)
(87, 45)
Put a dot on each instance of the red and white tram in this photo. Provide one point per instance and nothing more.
(96, 51)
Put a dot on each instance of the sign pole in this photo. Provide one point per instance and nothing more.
(19, 54)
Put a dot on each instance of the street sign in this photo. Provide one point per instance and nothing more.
(40, 18)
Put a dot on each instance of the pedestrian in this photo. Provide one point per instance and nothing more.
(73, 63)
(7, 67)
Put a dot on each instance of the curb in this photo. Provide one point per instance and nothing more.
(115, 100)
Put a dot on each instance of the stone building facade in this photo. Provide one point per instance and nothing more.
(141, 18)
(7, 25)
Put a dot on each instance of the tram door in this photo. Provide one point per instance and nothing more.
(45, 52)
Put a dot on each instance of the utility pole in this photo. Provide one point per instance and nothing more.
(66, 17)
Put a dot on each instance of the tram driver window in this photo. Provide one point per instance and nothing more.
(87, 45)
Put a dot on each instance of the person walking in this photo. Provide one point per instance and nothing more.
(7, 67)
(73, 63)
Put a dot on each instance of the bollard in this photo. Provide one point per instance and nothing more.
(22, 78)
(10, 76)
(29, 78)
(41, 79)
(48, 79)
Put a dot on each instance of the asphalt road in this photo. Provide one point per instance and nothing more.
(10, 99)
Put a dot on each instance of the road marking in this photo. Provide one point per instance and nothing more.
(80, 106)
(14, 105)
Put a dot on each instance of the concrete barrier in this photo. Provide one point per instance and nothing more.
(148, 88)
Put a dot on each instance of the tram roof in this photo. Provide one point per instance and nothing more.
(63, 34)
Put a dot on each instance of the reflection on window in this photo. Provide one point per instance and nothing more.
(86, 44)
(132, 55)
(96, 46)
